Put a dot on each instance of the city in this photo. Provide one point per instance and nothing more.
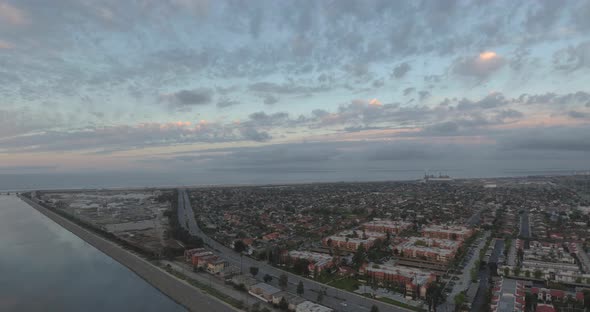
(294, 155)
(503, 244)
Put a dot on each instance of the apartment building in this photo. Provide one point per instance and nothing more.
(453, 232)
(386, 226)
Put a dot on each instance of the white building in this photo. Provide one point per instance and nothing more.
(308, 306)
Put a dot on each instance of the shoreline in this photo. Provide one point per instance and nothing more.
(275, 184)
(181, 292)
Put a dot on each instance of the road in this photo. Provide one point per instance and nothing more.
(583, 257)
(465, 278)
(498, 250)
(215, 282)
(475, 217)
(482, 292)
(525, 228)
(180, 291)
(337, 299)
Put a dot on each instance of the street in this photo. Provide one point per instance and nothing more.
(525, 228)
(337, 299)
(465, 278)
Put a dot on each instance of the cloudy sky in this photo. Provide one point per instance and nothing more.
(166, 84)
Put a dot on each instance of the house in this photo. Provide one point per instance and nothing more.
(216, 266)
(308, 306)
(190, 252)
(263, 291)
(244, 280)
(292, 300)
(197, 257)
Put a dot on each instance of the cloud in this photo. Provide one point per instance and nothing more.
(408, 91)
(6, 45)
(493, 100)
(130, 137)
(186, 98)
(509, 114)
(480, 66)
(578, 114)
(286, 88)
(543, 15)
(424, 95)
(573, 57)
(226, 102)
(358, 70)
(255, 135)
(378, 83)
(401, 70)
(263, 119)
(270, 99)
(548, 139)
(401, 152)
(12, 15)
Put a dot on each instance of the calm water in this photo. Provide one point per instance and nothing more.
(46, 268)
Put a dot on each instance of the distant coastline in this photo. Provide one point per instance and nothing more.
(8, 184)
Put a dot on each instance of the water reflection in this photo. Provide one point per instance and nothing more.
(46, 268)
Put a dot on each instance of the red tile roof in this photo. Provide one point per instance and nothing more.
(557, 293)
(545, 308)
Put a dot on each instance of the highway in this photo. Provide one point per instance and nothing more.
(337, 299)
(180, 291)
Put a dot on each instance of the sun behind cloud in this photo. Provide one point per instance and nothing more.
(487, 55)
(375, 102)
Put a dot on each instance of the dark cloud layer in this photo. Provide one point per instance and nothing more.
(187, 98)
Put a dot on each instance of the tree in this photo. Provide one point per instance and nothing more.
(253, 271)
(538, 274)
(516, 271)
(374, 308)
(283, 281)
(283, 304)
(301, 267)
(239, 246)
(506, 271)
(434, 295)
(267, 278)
(359, 256)
(459, 301)
(300, 288)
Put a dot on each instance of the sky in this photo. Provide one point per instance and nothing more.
(172, 85)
